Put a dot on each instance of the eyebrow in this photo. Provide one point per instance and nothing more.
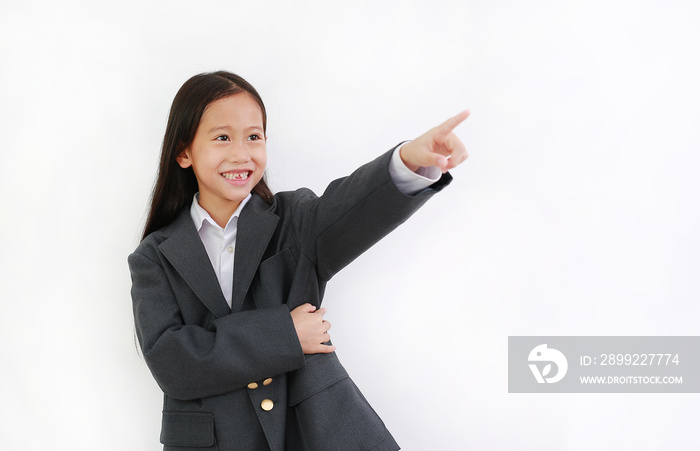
(222, 127)
(227, 128)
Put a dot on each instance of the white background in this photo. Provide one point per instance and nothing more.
(576, 214)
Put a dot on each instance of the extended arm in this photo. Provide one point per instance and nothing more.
(357, 211)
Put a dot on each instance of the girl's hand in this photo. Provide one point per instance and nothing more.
(436, 147)
(312, 329)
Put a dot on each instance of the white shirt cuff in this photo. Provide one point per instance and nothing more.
(407, 181)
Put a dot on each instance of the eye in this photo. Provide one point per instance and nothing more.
(222, 138)
(254, 137)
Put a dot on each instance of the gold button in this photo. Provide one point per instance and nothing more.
(267, 405)
(252, 386)
(267, 381)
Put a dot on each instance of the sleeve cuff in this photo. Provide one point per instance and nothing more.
(407, 181)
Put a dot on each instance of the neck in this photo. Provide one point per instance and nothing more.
(220, 212)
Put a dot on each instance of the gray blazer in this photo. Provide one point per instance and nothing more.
(236, 378)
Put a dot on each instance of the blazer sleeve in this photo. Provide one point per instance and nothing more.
(191, 361)
(354, 213)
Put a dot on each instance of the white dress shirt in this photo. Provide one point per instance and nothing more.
(220, 243)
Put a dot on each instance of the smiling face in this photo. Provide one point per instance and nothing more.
(228, 154)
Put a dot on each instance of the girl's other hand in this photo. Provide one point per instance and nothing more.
(312, 329)
(436, 147)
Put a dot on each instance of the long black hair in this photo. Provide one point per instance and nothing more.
(176, 186)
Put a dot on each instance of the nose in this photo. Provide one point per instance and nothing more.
(238, 153)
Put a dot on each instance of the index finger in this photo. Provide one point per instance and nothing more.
(449, 125)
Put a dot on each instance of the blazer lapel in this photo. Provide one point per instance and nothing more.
(256, 226)
(185, 251)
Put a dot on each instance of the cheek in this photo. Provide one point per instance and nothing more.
(262, 160)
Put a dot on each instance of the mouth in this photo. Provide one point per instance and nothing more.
(238, 176)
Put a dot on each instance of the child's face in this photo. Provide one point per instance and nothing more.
(228, 153)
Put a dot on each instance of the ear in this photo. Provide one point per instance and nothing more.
(184, 159)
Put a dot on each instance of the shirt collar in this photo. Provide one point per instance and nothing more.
(200, 215)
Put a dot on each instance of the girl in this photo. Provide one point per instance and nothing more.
(229, 278)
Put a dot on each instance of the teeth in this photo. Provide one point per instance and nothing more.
(236, 175)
